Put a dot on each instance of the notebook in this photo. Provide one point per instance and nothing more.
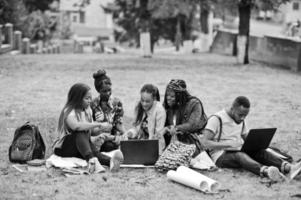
(140, 152)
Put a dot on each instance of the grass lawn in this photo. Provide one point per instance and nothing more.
(34, 88)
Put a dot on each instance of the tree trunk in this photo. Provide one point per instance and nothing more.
(244, 9)
(178, 37)
(152, 38)
(206, 36)
(145, 41)
(204, 20)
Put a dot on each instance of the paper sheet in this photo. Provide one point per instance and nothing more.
(202, 161)
(136, 166)
(27, 168)
(193, 179)
(64, 162)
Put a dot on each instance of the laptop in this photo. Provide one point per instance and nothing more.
(258, 139)
(140, 152)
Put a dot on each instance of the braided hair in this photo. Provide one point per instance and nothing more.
(181, 94)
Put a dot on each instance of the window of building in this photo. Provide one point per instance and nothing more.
(74, 18)
(82, 17)
(295, 5)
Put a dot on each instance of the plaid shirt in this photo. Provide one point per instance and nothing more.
(112, 114)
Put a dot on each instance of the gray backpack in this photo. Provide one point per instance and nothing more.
(27, 144)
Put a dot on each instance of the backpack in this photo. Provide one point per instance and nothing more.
(27, 144)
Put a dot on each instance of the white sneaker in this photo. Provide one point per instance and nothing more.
(94, 166)
(274, 174)
(295, 170)
(98, 167)
(116, 160)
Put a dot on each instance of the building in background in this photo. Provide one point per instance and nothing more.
(290, 12)
(86, 18)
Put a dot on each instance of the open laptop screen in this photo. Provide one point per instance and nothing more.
(144, 152)
(258, 139)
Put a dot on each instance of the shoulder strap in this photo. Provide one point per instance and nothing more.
(243, 127)
(19, 130)
(220, 126)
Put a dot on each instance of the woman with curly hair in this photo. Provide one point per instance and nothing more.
(108, 110)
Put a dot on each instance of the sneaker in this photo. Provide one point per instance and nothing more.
(116, 160)
(91, 165)
(274, 174)
(94, 166)
(295, 170)
(98, 167)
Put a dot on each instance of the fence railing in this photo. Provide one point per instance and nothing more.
(12, 41)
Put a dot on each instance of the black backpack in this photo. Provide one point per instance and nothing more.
(27, 144)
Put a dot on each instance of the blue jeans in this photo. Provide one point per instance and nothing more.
(249, 161)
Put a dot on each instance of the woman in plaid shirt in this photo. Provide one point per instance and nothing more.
(106, 109)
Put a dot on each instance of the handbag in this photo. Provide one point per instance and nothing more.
(176, 154)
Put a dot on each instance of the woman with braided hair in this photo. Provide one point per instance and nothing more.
(185, 116)
(109, 110)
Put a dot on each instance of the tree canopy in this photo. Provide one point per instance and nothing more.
(165, 9)
(232, 5)
(244, 8)
(161, 17)
(26, 15)
(169, 18)
(41, 5)
(5, 11)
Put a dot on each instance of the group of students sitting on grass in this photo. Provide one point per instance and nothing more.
(90, 128)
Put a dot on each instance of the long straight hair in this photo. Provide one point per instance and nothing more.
(154, 91)
(75, 98)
